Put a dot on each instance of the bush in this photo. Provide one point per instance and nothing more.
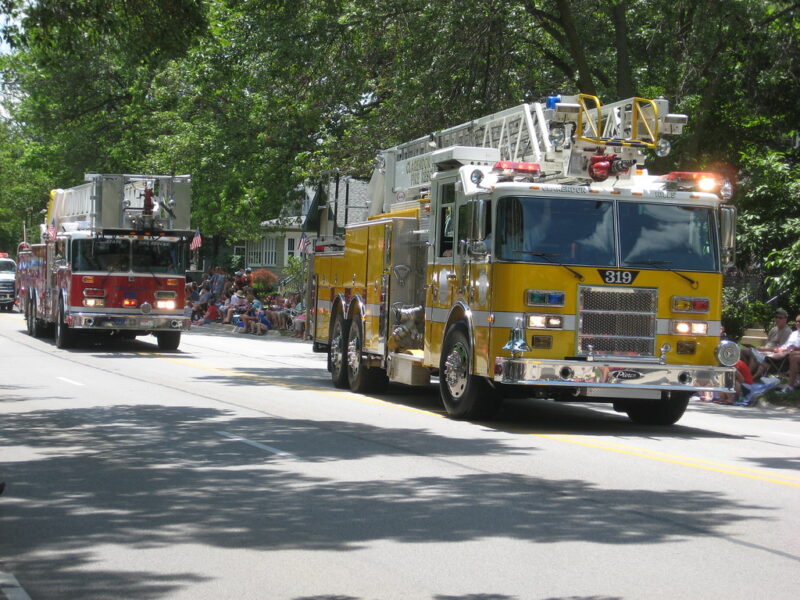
(264, 281)
(740, 313)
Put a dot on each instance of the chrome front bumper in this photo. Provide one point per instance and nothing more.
(93, 321)
(603, 377)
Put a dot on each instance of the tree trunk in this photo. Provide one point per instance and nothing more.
(585, 81)
(625, 85)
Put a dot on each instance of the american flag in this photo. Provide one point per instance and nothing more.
(197, 241)
(304, 243)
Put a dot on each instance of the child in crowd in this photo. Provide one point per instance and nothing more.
(211, 315)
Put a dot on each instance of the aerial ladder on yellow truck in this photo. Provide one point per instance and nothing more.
(530, 253)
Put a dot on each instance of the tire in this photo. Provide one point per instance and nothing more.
(37, 327)
(65, 337)
(168, 340)
(337, 357)
(666, 411)
(29, 317)
(464, 395)
(362, 379)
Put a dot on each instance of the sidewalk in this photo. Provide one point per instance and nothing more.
(219, 329)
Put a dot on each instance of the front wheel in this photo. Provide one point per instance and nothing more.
(337, 356)
(168, 340)
(464, 395)
(666, 411)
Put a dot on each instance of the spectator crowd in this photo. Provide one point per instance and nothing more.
(228, 299)
(762, 368)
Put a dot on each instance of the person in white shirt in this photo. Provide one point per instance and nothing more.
(237, 305)
(780, 359)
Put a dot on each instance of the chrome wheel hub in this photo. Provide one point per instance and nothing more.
(336, 343)
(354, 353)
(456, 371)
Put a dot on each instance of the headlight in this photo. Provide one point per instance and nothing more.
(545, 321)
(165, 304)
(689, 327)
(727, 353)
(94, 302)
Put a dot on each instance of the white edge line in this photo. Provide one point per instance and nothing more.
(269, 449)
(69, 381)
(11, 589)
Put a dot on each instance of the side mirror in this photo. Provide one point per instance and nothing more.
(476, 215)
(727, 234)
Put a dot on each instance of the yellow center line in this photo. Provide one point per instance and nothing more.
(656, 455)
(695, 463)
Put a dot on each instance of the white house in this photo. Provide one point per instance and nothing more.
(325, 209)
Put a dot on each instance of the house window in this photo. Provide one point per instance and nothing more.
(270, 251)
(291, 244)
(254, 253)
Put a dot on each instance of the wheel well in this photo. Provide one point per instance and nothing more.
(459, 315)
(356, 306)
(338, 307)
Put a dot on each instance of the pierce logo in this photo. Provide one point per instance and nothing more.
(626, 374)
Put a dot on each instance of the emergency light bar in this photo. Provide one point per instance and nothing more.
(519, 167)
(712, 183)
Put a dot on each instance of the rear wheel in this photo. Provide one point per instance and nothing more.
(362, 379)
(337, 358)
(65, 337)
(29, 317)
(37, 326)
(168, 340)
(464, 395)
(666, 411)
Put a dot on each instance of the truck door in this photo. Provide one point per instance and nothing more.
(442, 277)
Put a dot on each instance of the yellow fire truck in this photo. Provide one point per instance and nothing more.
(530, 253)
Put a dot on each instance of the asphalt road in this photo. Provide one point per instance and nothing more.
(233, 469)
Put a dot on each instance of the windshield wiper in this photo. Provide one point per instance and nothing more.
(548, 256)
(661, 263)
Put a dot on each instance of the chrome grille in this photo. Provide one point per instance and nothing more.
(7, 286)
(617, 321)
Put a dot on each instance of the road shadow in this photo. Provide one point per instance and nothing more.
(146, 477)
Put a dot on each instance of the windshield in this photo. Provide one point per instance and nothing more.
(101, 255)
(573, 232)
(149, 256)
(667, 236)
(7, 266)
(155, 256)
(582, 232)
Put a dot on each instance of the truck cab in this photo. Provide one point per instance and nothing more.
(8, 271)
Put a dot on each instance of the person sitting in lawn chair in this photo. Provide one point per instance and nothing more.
(776, 337)
(778, 361)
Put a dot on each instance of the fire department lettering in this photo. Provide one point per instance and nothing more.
(618, 277)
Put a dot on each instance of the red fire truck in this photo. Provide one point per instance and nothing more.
(111, 261)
